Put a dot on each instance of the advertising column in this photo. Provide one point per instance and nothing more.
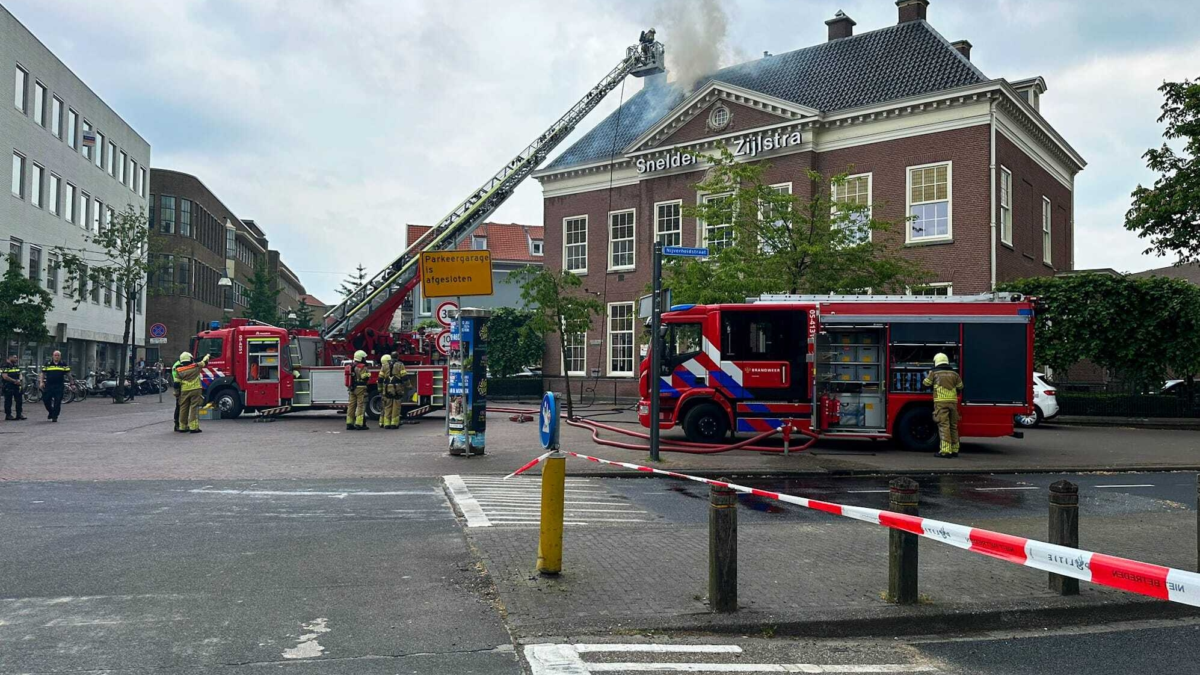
(466, 415)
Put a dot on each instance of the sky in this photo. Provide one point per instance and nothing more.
(332, 123)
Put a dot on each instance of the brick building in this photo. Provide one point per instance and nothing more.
(202, 241)
(978, 179)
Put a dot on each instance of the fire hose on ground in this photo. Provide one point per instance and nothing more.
(681, 446)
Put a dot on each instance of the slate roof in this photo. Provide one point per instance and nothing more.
(908, 59)
(508, 242)
(1189, 272)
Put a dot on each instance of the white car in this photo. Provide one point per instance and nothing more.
(1045, 405)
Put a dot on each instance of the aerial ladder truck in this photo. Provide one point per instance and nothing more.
(271, 370)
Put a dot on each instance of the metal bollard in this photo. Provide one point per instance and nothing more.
(1064, 529)
(550, 536)
(903, 497)
(722, 550)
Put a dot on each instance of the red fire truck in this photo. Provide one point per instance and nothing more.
(842, 366)
(261, 368)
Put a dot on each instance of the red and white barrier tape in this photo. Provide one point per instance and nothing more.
(1156, 581)
(528, 466)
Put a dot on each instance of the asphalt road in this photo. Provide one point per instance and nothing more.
(345, 577)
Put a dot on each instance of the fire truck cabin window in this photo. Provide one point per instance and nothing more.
(212, 347)
(755, 335)
(684, 338)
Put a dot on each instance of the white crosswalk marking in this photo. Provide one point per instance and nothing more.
(488, 501)
(560, 659)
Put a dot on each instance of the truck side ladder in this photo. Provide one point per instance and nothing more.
(373, 304)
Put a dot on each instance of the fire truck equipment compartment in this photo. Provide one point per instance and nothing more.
(995, 358)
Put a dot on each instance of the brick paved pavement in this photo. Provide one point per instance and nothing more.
(655, 577)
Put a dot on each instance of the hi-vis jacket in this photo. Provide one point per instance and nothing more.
(946, 384)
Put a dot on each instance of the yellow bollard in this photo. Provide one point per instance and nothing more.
(550, 537)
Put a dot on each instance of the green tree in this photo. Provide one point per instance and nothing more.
(353, 281)
(122, 256)
(430, 324)
(777, 242)
(560, 308)
(1168, 214)
(262, 297)
(304, 316)
(512, 343)
(1145, 330)
(23, 308)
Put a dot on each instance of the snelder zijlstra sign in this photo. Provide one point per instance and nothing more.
(453, 273)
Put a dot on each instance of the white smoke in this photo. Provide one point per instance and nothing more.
(694, 33)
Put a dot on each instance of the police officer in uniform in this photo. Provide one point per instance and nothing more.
(11, 376)
(359, 377)
(191, 396)
(53, 382)
(946, 384)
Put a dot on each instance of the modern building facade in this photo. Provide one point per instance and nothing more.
(75, 163)
(201, 241)
(980, 185)
(513, 247)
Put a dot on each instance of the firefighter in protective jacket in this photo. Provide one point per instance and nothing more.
(946, 384)
(387, 389)
(357, 380)
(191, 396)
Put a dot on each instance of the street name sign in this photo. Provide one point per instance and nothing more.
(686, 251)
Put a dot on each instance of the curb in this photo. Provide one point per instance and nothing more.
(1163, 423)
(874, 472)
(894, 621)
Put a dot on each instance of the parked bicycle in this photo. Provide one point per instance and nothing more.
(29, 385)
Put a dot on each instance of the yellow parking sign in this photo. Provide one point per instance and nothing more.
(452, 273)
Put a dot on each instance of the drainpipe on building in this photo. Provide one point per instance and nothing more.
(992, 185)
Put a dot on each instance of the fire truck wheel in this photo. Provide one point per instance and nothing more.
(706, 423)
(916, 430)
(229, 403)
(374, 405)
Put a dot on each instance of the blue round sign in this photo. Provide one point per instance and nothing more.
(548, 422)
(158, 330)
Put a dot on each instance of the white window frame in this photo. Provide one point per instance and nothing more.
(1006, 210)
(632, 242)
(777, 188)
(40, 102)
(563, 361)
(24, 107)
(608, 326)
(908, 204)
(22, 188)
(702, 225)
(1047, 231)
(73, 129)
(69, 203)
(56, 121)
(948, 285)
(537, 247)
(37, 185)
(577, 271)
(53, 192)
(869, 175)
(658, 232)
(142, 181)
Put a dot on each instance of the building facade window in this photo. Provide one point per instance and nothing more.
(133, 176)
(620, 339)
(575, 353)
(99, 158)
(108, 218)
(81, 284)
(39, 103)
(185, 217)
(774, 214)
(183, 276)
(478, 243)
(230, 243)
(56, 107)
(96, 216)
(110, 159)
(120, 295)
(72, 129)
(575, 244)
(142, 182)
(36, 176)
(718, 236)
(21, 89)
(108, 290)
(52, 194)
(52, 266)
(937, 289)
(69, 202)
(537, 247)
(16, 252)
(35, 265)
(1006, 206)
(95, 290)
(124, 160)
(18, 175)
(621, 225)
(1047, 256)
(166, 215)
(88, 144)
(855, 191)
(929, 203)
(668, 223)
(82, 212)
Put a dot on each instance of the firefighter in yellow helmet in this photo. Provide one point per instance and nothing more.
(187, 373)
(946, 384)
(386, 391)
(358, 377)
(400, 381)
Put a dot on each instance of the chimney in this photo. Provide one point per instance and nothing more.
(963, 47)
(912, 10)
(840, 26)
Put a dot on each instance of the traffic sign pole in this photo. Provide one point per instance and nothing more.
(655, 350)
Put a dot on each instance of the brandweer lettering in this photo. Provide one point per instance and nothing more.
(746, 146)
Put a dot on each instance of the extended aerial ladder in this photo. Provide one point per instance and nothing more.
(368, 311)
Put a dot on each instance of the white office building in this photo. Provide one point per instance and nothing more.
(63, 190)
